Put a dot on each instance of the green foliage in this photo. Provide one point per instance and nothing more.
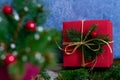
(73, 35)
(79, 74)
(3, 30)
(18, 5)
(91, 46)
(84, 74)
(110, 74)
(45, 75)
(113, 73)
(92, 29)
(36, 11)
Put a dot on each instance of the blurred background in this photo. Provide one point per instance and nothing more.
(67, 10)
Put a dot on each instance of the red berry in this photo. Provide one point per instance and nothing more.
(93, 34)
(7, 9)
(9, 58)
(30, 26)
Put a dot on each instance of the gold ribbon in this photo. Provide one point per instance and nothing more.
(76, 45)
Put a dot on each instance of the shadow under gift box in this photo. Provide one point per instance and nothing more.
(105, 59)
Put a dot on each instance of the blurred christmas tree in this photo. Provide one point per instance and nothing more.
(23, 37)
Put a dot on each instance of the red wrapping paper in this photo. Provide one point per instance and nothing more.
(104, 60)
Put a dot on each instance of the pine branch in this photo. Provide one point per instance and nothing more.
(19, 25)
(78, 74)
(18, 29)
(39, 10)
(93, 28)
(73, 35)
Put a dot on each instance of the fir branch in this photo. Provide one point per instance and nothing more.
(19, 25)
(18, 29)
(39, 9)
(78, 74)
(112, 73)
(73, 35)
(93, 28)
(11, 20)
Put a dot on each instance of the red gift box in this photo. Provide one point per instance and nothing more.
(104, 60)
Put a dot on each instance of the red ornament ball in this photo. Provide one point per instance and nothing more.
(93, 34)
(7, 10)
(9, 59)
(30, 26)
